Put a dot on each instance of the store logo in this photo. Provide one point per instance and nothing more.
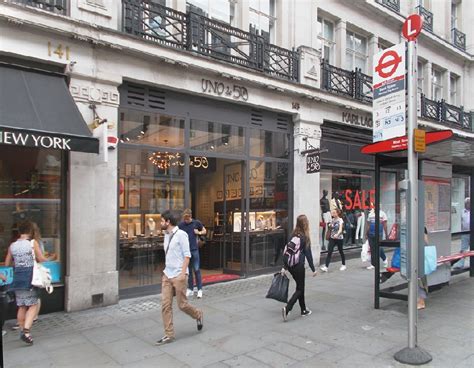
(358, 120)
(34, 140)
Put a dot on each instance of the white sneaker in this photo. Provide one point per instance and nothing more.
(385, 263)
(324, 268)
(199, 294)
(343, 268)
(370, 267)
(189, 293)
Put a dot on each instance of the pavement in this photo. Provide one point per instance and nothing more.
(243, 329)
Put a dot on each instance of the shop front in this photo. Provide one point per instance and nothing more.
(230, 164)
(37, 132)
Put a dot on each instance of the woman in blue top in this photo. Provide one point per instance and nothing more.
(336, 240)
(22, 254)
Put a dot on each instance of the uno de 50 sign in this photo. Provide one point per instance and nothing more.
(313, 163)
(222, 89)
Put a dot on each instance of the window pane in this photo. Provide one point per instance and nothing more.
(254, 4)
(216, 137)
(265, 6)
(150, 183)
(350, 40)
(151, 129)
(220, 9)
(349, 61)
(319, 28)
(268, 213)
(328, 31)
(264, 24)
(360, 44)
(201, 4)
(360, 62)
(268, 144)
(30, 190)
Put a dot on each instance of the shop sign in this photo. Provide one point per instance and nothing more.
(356, 119)
(356, 199)
(16, 138)
(313, 163)
(223, 89)
(420, 140)
(389, 111)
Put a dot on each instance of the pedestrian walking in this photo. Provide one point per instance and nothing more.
(371, 234)
(194, 228)
(336, 227)
(22, 254)
(465, 228)
(296, 252)
(177, 256)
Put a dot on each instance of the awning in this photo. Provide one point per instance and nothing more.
(37, 110)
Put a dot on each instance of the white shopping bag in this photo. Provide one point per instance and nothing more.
(365, 253)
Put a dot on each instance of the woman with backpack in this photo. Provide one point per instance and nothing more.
(336, 228)
(294, 255)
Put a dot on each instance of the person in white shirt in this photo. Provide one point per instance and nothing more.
(175, 275)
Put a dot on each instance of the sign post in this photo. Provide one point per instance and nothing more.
(412, 354)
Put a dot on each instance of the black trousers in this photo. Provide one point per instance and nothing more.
(372, 251)
(298, 273)
(332, 244)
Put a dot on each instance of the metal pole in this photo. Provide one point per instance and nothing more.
(412, 354)
(412, 197)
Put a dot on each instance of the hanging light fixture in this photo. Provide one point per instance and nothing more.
(164, 160)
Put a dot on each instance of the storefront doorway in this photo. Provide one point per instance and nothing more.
(229, 164)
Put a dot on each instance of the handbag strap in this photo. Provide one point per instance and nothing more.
(32, 241)
(169, 243)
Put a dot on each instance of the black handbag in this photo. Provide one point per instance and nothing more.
(279, 288)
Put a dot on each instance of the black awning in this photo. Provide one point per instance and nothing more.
(37, 110)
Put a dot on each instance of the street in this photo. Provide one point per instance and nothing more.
(242, 328)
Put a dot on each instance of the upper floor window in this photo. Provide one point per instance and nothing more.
(222, 10)
(326, 39)
(421, 78)
(453, 89)
(356, 51)
(437, 84)
(262, 18)
(454, 13)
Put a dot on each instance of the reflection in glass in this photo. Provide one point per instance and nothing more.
(151, 129)
(151, 182)
(30, 189)
(268, 213)
(268, 144)
(216, 137)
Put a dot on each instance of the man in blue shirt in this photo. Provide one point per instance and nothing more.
(177, 255)
(193, 228)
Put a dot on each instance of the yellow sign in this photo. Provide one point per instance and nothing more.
(420, 140)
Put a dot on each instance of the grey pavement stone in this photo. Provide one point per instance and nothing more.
(163, 360)
(237, 344)
(135, 325)
(60, 341)
(102, 335)
(130, 350)
(291, 351)
(18, 353)
(194, 352)
(271, 358)
(244, 361)
(81, 355)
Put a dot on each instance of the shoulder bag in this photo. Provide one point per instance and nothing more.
(41, 275)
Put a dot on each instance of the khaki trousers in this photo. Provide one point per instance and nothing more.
(179, 284)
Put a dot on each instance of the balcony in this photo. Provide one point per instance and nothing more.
(451, 115)
(55, 6)
(458, 39)
(390, 4)
(208, 37)
(352, 84)
(427, 18)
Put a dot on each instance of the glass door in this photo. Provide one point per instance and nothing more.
(234, 217)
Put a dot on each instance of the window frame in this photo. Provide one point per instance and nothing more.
(326, 42)
(435, 85)
(352, 53)
(453, 95)
(272, 18)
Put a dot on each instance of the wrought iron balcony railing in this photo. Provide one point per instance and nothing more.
(390, 4)
(441, 111)
(427, 18)
(197, 33)
(353, 84)
(55, 6)
(458, 39)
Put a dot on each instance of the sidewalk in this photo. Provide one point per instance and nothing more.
(241, 328)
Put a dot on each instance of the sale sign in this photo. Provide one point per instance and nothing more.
(389, 111)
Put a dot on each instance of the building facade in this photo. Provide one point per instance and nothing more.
(212, 104)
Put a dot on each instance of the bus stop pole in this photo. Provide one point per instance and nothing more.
(412, 354)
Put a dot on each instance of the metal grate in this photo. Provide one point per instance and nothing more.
(283, 122)
(145, 97)
(459, 39)
(427, 18)
(55, 6)
(390, 4)
(256, 118)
